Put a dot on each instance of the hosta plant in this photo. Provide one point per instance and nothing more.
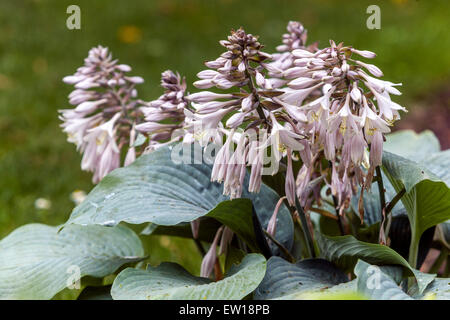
(280, 166)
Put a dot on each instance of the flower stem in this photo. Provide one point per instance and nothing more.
(280, 246)
(252, 88)
(301, 220)
(335, 202)
(218, 274)
(380, 188)
(339, 219)
(413, 253)
(394, 201)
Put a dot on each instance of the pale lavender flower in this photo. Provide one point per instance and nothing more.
(290, 180)
(283, 139)
(209, 260)
(105, 113)
(354, 111)
(169, 107)
(101, 154)
(195, 228)
(225, 240)
(255, 161)
(272, 225)
(283, 60)
(131, 153)
(302, 181)
(257, 119)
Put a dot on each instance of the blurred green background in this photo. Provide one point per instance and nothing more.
(37, 51)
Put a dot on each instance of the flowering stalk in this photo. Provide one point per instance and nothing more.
(165, 115)
(353, 113)
(102, 122)
(381, 190)
(282, 67)
(300, 218)
(257, 121)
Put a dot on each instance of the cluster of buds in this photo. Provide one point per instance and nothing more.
(103, 121)
(283, 60)
(351, 115)
(232, 67)
(166, 114)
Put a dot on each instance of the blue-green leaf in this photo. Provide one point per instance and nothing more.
(37, 261)
(156, 189)
(284, 280)
(171, 281)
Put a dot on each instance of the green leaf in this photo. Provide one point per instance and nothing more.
(233, 256)
(376, 284)
(140, 140)
(156, 189)
(171, 281)
(284, 280)
(439, 289)
(208, 228)
(237, 215)
(439, 164)
(345, 251)
(37, 261)
(382, 283)
(410, 145)
(427, 198)
(343, 291)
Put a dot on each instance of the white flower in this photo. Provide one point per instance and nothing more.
(101, 154)
(290, 188)
(172, 105)
(42, 204)
(78, 196)
(206, 96)
(282, 138)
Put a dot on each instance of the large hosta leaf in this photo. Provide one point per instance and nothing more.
(439, 289)
(284, 280)
(382, 283)
(439, 164)
(374, 283)
(343, 291)
(345, 251)
(410, 145)
(427, 198)
(158, 190)
(206, 232)
(171, 281)
(36, 261)
(236, 214)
